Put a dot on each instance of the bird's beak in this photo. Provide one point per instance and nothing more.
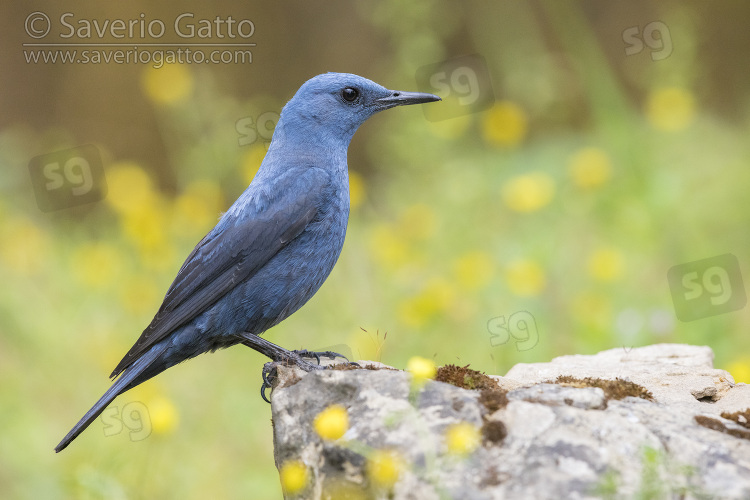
(399, 98)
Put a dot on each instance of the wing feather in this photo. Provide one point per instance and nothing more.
(229, 256)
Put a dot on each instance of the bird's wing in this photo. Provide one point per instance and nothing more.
(227, 257)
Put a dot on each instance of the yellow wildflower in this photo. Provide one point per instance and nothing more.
(528, 192)
(434, 298)
(505, 124)
(356, 189)
(417, 222)
(331, 423)
(421, 368)
(384, 467)
(294, 477)
(525, 278)
(606, 264)
(740, 370)
(670, 108)
(198, 207)
(169, 84)
(462, 438)
(590, 168)
(25, 245)
(474, 270)
(389, 248)
(592, 309)
(163, 415)
(128, 187)
(250, 162)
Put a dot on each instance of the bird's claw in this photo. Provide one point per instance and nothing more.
(304, 353)
(270, 374)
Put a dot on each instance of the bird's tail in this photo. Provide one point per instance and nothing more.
(129, 378)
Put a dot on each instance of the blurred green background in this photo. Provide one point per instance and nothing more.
(615, 149)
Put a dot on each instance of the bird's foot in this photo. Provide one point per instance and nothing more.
(304, 353)
(270, 372)
(269, 375)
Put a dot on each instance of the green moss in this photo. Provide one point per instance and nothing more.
(613, 389)
(493, 432)
(493, 400)
(465, 378)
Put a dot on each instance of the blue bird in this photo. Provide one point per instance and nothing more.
(274, 247)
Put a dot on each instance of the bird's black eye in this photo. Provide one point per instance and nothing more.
(350, 94)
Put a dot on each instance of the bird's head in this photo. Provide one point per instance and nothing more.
(334, 105)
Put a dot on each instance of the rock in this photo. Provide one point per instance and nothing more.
(652, 422)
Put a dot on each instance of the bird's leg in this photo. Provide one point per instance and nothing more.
(279, 355)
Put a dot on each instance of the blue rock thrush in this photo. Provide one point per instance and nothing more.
(274, 247)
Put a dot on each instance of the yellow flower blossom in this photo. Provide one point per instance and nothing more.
(505, 124)
(590, 168)
(128, 187)
(606, 264)
(250, 162)
(670, 108)
(331, 423)
(294, 477)
(389, 248)
(421, 368)
(145, 226)
(198, 207)
(474, 270)
(384, 467)
(163, 414)
(434, 298)
(740, 370)
(418, 222)
(592, 309)
(525, 278)
(462, 438)
(356, 189)
(169, 84)
(24, 245)
(392, 244)
(528, 192)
